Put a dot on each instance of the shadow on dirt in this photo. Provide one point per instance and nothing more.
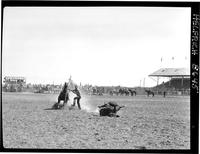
(51, 109)
(62, 108)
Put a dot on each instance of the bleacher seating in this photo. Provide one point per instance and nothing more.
(174, 86)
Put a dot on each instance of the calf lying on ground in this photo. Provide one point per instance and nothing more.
(109, 109)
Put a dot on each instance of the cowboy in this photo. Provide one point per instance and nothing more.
(78, 96)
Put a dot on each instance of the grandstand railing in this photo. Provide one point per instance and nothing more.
(174, 92)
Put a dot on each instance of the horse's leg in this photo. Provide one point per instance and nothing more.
(78, 103)
(65, 100)
(59, 99)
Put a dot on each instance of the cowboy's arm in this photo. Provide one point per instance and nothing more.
(74, 91)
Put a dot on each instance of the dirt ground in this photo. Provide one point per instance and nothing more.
(150, 123)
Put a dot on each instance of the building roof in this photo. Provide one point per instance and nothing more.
(172, 72)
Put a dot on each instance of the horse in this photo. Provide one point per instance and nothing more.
(126, 91)
(115, 92)
(63, 96)
(149, 92)
(132, 92)
(100, 91)
(121, 91)
(112, 92)
(97, 91)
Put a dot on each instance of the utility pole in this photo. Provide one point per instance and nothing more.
(144, 82)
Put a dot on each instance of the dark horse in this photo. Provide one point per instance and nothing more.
(124, 91)
(149, 92)
(121, 91)
(133, 92)
(63, 96)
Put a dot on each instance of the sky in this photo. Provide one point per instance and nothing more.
(105, 46)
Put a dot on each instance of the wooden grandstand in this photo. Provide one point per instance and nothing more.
(14, 84)
(179, 80)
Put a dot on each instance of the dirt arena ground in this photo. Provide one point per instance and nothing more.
(150, 123)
